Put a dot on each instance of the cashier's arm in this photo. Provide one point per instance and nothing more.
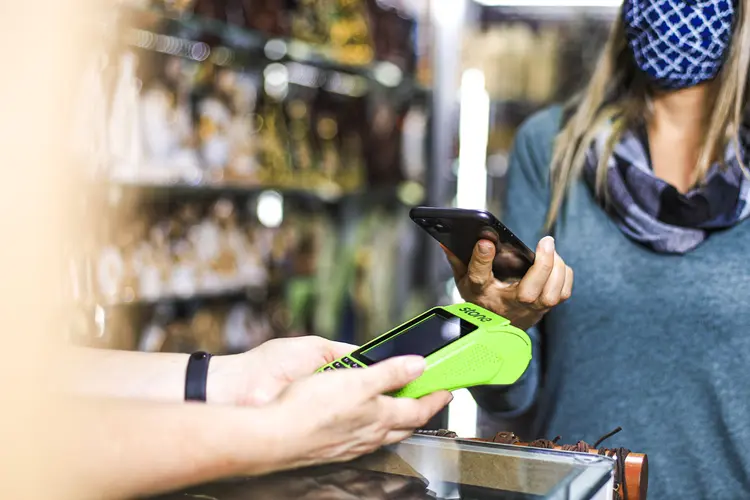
(125, 374)
(251, 378)
(125, 448)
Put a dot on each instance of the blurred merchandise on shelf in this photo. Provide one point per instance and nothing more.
(518, 62)
(393, 34)
(208, 275)
(365, 278)
(350, 32)
(89, 128)
(384, 147)
(181, 251)
(413, 149)
(530, 59)
(226, 326)
(181, 122)
(375, 293)
(250, 163)
(125, 139)
(535, 61)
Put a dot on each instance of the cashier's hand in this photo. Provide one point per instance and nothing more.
(339, 415)
(258, 376)
(547, 283)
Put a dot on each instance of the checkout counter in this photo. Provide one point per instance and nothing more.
(428, 467)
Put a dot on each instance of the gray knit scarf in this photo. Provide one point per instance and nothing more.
(652, 212)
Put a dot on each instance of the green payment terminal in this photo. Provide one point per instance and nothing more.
(463, 345)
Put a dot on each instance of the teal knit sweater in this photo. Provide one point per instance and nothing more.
(657, 344)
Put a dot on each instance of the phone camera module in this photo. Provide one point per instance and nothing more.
(442, 227)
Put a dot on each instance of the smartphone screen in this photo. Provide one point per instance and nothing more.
(459, 230)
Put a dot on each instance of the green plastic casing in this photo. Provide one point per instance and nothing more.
(495, 353)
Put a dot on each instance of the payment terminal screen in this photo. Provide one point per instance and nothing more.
(424, 338)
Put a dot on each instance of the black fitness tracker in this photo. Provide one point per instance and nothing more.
(196, 376)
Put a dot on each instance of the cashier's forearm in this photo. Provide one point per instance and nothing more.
(125, 374)
(124, 449)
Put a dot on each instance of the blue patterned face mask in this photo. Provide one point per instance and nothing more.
(679, 43)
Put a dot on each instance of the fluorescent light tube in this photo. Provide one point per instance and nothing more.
(471, 189)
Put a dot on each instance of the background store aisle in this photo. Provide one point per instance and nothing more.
(524, 55)
(253, 160)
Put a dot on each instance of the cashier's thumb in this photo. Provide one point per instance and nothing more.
(393, 374)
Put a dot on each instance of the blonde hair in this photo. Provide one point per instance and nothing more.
(617, 96)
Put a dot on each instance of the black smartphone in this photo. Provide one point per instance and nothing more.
(459, 230)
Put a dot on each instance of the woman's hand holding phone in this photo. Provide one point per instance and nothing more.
(547, 283)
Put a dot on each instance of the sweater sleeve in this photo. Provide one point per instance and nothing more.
(525, 208)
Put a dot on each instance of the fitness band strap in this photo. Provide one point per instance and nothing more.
(196, 376)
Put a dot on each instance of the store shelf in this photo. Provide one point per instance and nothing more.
(225, 44)
(508, 10)
(236, 292)
(223, 189)
(403, 193)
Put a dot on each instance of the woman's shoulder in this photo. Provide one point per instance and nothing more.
(531, 156)
(537, 133)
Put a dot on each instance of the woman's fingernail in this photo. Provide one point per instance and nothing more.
(485, 247)
(415, 366)
(548, 244)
